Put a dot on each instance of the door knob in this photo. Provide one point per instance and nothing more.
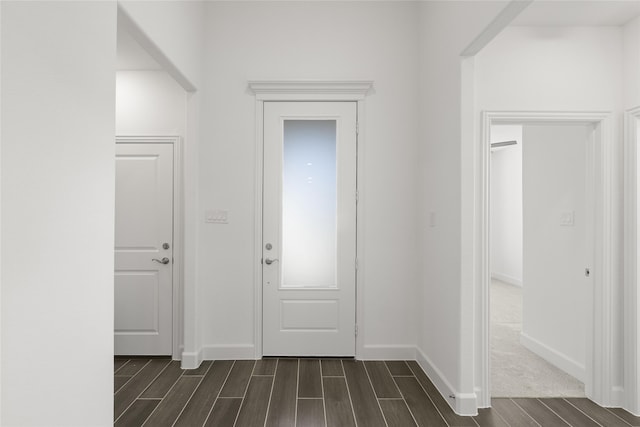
(270, 261)
(164, 260)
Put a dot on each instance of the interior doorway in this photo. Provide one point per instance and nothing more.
(598, 326)
(538, 290)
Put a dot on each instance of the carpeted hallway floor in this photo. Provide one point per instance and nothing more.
(515, 370)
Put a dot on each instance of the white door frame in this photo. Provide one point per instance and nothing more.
(177, 315)
(306, 91)
(631, 292)
(599, 357)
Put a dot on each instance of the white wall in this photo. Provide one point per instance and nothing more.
(176, 29)
(555, 291)
(445, 339)
(562, 69)
(311, 40)
(551, 68)
(631, 70)
(506, 205)
(58, 94)
(149, 103)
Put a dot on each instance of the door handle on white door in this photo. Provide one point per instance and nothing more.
(164, 260)
(270, 261)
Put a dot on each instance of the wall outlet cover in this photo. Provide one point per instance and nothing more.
(567, 219)
(216, 216)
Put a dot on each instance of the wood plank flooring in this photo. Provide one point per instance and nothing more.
(293, 392)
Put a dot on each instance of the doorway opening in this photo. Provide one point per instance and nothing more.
(596, 259)
(538, 188)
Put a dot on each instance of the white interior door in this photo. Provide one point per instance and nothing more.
(309, 228)
(144, 249)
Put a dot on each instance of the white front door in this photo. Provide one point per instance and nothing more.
(144, 249)
(309, 228)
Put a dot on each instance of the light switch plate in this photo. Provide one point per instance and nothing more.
(216, 216)
(567, 219)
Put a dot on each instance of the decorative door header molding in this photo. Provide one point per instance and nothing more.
(310, 90)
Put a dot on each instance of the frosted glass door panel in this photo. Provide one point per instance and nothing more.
(309, 204)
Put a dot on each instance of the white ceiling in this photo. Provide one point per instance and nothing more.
(131, 56)
(578, 13)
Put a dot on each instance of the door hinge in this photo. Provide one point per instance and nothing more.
(356, 330)
(357, 196)
(357, 128)
(356, 264)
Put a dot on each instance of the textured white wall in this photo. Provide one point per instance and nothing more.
(314, 40)
(58, 104)
(506, 205)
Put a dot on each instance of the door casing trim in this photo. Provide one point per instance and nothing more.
(631, 292)
(307, 91)
(178, 243)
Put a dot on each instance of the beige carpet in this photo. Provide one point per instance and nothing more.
(515, 370)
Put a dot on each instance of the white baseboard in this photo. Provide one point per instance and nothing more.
(617, 397)
(461, 403)
(177, 353)
(388, 352)
(229, 352)
(191, 359)
(554, 357)
(628, 403)
(507, 279)
(247, 351)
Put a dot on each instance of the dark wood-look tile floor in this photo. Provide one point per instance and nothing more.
(293, 392)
